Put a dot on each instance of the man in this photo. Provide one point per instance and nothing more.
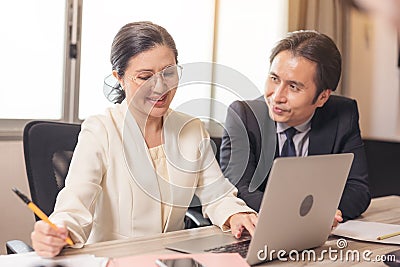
(305, 69)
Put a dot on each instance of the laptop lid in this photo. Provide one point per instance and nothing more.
(297, 210)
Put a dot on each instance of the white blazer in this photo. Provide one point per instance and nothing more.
(112, 191)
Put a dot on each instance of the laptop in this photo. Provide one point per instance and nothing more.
(296, 213)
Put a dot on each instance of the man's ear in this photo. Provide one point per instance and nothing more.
(323, 97)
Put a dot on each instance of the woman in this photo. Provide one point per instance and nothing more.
(136, 168)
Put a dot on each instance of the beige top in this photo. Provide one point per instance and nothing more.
(160, 165)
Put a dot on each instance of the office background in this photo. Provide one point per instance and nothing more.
(235, 33)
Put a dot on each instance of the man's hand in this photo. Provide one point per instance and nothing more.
(338, 218)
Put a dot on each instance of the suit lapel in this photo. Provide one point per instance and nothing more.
(181, 169)
(323, 132)
(268, 146)
(146, 192)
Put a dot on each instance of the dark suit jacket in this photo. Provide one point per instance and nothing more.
(249, 145)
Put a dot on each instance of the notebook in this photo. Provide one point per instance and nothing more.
(296, 213)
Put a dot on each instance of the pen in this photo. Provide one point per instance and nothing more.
(39, 213)
(388, 235)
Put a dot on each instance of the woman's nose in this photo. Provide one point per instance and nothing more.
(159, 85)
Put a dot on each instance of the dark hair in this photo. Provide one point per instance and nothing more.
(131, 40)
(316, 47)
(135, 38)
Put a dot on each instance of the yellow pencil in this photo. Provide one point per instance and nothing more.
(39, 213)
(388, 236)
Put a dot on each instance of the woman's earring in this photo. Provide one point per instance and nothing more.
(112, 90)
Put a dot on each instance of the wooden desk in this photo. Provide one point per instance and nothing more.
(385, 209)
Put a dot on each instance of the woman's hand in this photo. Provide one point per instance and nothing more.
(46, 241)
(240, 221)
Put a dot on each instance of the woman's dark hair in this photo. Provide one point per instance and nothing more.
(135, 38)
(316, 47)
(131, 40)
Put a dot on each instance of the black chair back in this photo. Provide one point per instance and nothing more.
(383, 159)
(48, 149)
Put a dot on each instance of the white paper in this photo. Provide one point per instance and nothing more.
(32, 260)
(368, 231)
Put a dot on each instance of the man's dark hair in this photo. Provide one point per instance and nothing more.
(318, 48)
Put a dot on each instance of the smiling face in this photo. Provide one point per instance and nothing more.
(290, 89)
(149, 92)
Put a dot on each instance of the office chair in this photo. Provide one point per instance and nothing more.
(383, 167)
(48, 149)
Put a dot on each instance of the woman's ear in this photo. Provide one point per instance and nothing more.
(120, 80)
(323, 97)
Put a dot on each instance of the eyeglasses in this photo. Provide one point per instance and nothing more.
(171, 76)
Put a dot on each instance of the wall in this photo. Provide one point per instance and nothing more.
(244, 40)
(374, 76)
(16, 220)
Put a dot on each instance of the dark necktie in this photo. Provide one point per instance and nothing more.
(288, 149)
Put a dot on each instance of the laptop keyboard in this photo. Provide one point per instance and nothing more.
(240, 247)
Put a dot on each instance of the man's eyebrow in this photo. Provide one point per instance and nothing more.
(297, 83)
(273, 73)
